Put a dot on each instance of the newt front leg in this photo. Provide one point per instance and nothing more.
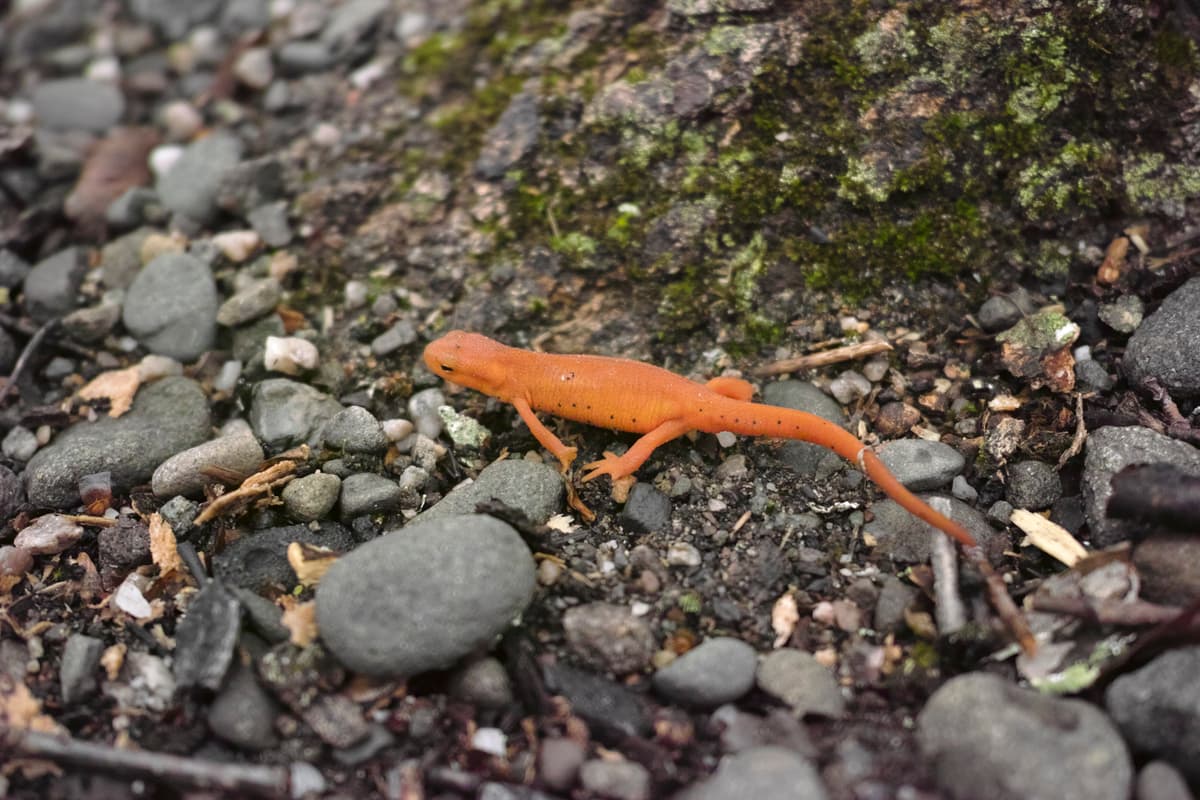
(565, 455)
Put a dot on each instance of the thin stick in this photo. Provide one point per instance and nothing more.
(177, 770)
(949, 610)
(850, 352)
(31, 347)
(1131, 613)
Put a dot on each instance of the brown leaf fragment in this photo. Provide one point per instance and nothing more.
(116, 164)
(1114, 261)
(118, 385)
(300, 619)
(20, 710)
(310, 562)
(162, 546)
(113, 659)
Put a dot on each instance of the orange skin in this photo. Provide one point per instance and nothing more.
(626, 395)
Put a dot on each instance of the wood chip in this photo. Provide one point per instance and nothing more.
(162, 546)
(785, 616)
(1053, 540)
(310, 562)
(850, 352)
(300, 619)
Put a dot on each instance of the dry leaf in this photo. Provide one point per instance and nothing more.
(112, 660)
(785, 616)
(118, 385)
(301, 620)
(162, 546)
(20, 710)
(1114, 261)
(1053, 540)
(561, 523)
(310, 562)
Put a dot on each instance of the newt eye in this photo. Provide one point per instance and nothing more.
(447, 369)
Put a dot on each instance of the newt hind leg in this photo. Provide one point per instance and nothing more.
(617, 467)
(734, 388)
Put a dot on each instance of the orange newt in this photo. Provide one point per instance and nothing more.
(627, 395)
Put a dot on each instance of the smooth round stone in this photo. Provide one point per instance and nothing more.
(171, 307)
(423, 597)
(799, 680)
(311, 497)
(184, 473)
(921, 465)
(718, 671)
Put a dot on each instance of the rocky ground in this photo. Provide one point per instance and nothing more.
(252, 546)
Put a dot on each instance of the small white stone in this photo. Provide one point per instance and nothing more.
(290, 355)
(106, 69)
(227, 378)
(129, 598)
(254, 68)
(726, 439)
(326, 135)
(355, 294)
(237, 246)
(397, 429)
(181, 119)
(489, 740)
(163, 158)
(682, 554)
(19, 112)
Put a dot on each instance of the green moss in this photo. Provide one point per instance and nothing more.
(576, 246)
(1073, 178)
(1153, 185)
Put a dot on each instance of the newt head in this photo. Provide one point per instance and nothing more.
(470, 360)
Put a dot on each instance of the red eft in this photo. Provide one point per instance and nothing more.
(627, 395)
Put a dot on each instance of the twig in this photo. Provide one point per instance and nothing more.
(31, 347)
(948, 609)
(837, 355)
(1053, 540)
(1080, 434)
(27, 328)
(176, 770)
(1131, 613)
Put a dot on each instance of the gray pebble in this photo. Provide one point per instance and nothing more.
(401, 334)
(178, 512)
(483, 683)
(285, 413)
(412, 483)
(609, 638)
(243, 712)
(1157, 708)
(1123, 314)
(171, 307)
(1003, 311)
(1033, 485)
(167, 416)
(647, 511)
(136, 206)
(1158, 780)
(19, 443)
(352, 21)
(368, 493)
(1167, 344)
(354, 430)
(800, 681)
(254, 68)
(999, 513)
(619, 780)
(803, 457)
(301, 57)
(902, 537)
(270, 221)
(511, 138)
(257, 299)
(424, 596)
(121, 259)
(1091, 374)
(895, 597)
(77, 104)
(13, 269)
(77, 672)
(988, 738)
(534, 489)
(424, 452)
(190, 188)
(206, 637)
(921, 465)
(185, 473)
(719, 671)
(52, 284)
(264, 616)
(423, 411)
(761, 773)
(559, 760)
(258, 561)
(962, 490)
(90, 325)
(1108, 451)
(849, 386)
(311, 497)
